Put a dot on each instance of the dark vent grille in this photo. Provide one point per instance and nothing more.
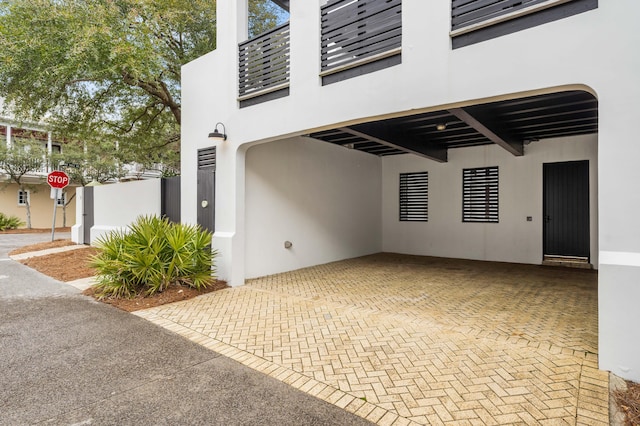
(207, 158)
(469, 12)
(414, 197)
(353, 31)
(480, 194)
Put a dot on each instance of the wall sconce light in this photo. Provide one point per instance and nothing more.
(216, 135)
(441, 126)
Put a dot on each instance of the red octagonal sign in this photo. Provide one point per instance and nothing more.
(58, 179)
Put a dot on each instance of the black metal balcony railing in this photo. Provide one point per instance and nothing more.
(469, 12)
(264, 63)
(359, 31)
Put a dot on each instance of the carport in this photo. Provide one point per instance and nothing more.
(511, 124)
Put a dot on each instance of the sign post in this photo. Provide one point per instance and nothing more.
(57, 180)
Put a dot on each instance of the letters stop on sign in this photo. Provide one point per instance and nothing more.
(58, 179)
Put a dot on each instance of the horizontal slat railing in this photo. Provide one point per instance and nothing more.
(469, 12)
(264, 63)
(353, 30)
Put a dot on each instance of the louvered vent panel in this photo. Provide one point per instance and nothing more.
(480, 194)
(414, 197)
(207, 158)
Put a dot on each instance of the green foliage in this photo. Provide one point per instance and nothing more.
(9, 222)
(152, 255)
(22, 158)
(108, 70)
(100, 162)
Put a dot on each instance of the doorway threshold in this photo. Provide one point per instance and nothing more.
(567, 261)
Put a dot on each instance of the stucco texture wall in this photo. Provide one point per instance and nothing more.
(324, 199)
(513, 239)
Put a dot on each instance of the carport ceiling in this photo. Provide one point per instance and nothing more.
(510, 124)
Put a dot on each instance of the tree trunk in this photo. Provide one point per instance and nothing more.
(28, 209)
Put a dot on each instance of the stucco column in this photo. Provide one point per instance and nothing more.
(229, 237)
(619, 233)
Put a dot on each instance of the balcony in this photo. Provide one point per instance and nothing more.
(473, 21)
(358, 37)
(264, 67)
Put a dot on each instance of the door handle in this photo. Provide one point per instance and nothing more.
(547, 219)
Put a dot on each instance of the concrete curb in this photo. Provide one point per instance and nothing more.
(23, 256)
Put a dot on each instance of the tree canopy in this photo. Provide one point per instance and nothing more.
(107, 71)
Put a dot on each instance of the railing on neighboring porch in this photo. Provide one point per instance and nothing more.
(264, 65)
(359, 32)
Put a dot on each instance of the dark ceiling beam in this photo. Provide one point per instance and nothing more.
(514, 147)
(384, 135)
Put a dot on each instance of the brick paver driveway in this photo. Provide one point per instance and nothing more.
(416, 340)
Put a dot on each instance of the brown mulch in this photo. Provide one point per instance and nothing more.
(174, 293)
(34, 230)
(74, 264)
(42, 246)
(629, 403)
(65, 266)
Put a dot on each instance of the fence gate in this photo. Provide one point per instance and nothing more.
(87, 214)
(207, 188)
(170, 198)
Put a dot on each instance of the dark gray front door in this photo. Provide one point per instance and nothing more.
(206, 198)
(566, 209)
(87, 214)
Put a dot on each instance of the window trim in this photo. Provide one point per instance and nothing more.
(23, 204)
(60, 202)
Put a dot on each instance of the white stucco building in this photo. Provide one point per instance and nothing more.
(499, 131)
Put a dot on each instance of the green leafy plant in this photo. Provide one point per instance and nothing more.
(9, 222)
(150, 256)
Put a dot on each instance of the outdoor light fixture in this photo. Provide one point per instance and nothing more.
(216, 135)
(441, 126)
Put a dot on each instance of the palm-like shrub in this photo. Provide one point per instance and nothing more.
(150, 256)
(9, 222)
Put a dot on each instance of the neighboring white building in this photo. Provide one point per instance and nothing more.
(500, 131)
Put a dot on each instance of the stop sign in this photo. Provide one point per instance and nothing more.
(58, 179)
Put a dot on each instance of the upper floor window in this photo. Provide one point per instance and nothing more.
(473, 21)
(358, 37)
(23, 197)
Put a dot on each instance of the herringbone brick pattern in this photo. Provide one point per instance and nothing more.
(403, 339)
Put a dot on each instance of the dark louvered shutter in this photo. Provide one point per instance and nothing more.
(414, 197)
(480, 194)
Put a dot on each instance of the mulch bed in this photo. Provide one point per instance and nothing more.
(42, 246)
(34, 230)
(65, 266)
(175, 293)
(629, 403)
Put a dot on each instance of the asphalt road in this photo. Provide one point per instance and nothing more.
(68, 360)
